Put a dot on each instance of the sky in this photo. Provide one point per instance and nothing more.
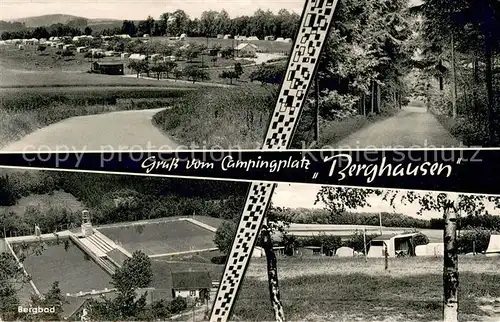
(304, 195)
(138, 9)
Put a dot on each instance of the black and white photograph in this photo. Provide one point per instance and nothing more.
(94, 247)
(161, 75)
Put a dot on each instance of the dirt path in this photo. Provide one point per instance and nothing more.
(111, 131)
(413, 127)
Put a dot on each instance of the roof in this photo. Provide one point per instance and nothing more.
(243, 45)
(109, 63)
(191, 280)
(390, 236)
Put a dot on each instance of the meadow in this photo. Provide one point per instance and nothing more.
(336, 289)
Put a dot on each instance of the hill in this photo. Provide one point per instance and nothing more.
(47, 20)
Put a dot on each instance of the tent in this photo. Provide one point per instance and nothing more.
(493, 246)
(227, 36)
(431, 249)
(280, 39)
(253, 38)
(345, 252)
(288, 40)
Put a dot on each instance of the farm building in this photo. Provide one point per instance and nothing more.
(183, 37)
(240, 38)
(245, 48)
(193, 284)
(219, 36)
(108, 68)
(253, 38)
(288, 40)
(269, 38)
(397, 245)
(69, 47)
(228, 37)
(493, 246)
(431, 249)
(82, 49)
(137, 57)
(124, 36)
(124, 55)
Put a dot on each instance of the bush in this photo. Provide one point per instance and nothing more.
(478, 236)
(220, 116)
(177, 305)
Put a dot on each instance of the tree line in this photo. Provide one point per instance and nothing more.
(210, 24)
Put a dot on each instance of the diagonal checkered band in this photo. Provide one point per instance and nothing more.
(313, 29)
(315, 23)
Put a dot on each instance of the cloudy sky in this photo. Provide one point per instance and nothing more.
(139, 9)
(303, 196)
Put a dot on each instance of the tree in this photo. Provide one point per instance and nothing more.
(195, 73)
(337, 199)
(270, 74)
(138, 66)
(224, 236)
(128, 28)
(88, 31)
(136, 272)
(41, 48)
(10, 275)
(177, 305)
(8, 196)
(52, 299)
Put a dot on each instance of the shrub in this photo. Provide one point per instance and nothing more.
(478, 236)
(220, 116)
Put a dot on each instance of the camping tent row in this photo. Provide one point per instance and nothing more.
(287, 40)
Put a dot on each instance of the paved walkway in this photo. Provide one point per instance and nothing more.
(412, 127)
(124, 130)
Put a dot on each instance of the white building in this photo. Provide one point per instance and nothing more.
(191, 284)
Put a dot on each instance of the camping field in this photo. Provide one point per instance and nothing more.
(263, 45)
(161, 238)
(354, 290)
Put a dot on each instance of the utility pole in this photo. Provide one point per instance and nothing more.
(380, 222)
(364, 243)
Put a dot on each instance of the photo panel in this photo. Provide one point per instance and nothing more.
(349, 254)
(76, 245)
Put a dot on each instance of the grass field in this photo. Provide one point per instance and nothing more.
(161, 238)
(68, 267)
(352, 290)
